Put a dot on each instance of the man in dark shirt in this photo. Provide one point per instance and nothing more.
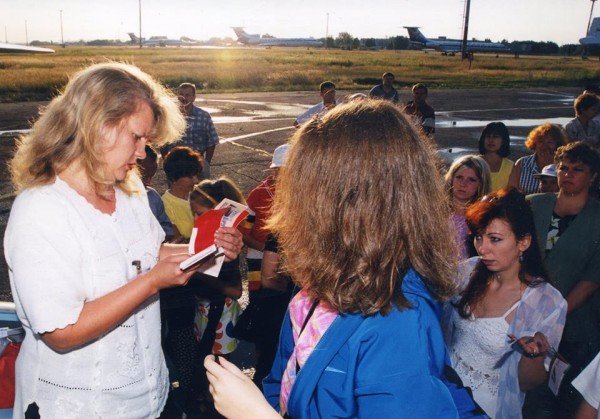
(420, 109)
(386, 89)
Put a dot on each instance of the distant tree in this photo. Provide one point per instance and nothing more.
(370, 42)
(398, 42)
(344, 40)
(355, 43)
(100, 42)
(544, 48)
(570, 49)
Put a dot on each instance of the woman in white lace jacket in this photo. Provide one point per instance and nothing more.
(506, 317)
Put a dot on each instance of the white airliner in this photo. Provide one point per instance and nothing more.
(14, 48)
(452, 45)
(593, 35)
(268, 41)
(155, 41)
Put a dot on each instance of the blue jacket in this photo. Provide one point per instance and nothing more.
(376, 366)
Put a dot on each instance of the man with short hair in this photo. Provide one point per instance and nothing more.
(327, 92)
(386, 89)
(200, 133)
(420, 109)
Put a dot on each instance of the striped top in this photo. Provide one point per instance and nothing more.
(527, 182)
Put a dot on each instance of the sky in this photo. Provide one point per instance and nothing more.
(560, 21)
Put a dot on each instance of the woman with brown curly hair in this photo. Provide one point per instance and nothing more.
(372, 250)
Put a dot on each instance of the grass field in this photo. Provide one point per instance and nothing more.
(38, 77)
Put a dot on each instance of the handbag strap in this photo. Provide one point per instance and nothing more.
(311, 311)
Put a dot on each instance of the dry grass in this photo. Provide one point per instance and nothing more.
(37, 77)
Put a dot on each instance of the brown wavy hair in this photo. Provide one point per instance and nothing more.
(359, 203)
(71, 127)
(217, 189)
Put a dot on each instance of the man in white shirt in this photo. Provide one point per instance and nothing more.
(327, 89)
(588, 384)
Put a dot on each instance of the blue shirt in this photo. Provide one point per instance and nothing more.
(200, 133)
(158, 209)
(377, 366)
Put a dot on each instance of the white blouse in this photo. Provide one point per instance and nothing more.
(61, 253)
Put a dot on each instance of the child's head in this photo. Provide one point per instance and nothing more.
(208, 193)
(548, 179)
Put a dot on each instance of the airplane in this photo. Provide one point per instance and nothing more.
(269, 41)
(14, 48)
(452, 45)
(593, 35)
(155, 41)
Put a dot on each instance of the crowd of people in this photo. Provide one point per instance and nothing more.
(399, 289)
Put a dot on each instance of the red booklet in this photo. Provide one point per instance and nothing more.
(202, 247)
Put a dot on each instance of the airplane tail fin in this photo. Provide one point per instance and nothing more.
(415, 35)
(241, 33)
(134, 38)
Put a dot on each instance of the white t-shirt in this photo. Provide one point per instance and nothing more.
(588, 384)
(61, 253)
(317, 111)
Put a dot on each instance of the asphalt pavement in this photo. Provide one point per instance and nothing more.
(252, 125)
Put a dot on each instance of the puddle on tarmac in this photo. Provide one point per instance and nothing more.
(266, 111)
(242, 119)
(564, 98)
(467, 123)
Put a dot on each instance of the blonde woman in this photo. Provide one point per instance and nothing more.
(467, 180)
(85, 253)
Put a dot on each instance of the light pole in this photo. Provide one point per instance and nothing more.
(62, 39)
(463, 47)
(587, 30)
(140, 17)
(327, 31)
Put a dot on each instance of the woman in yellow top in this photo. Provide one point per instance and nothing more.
(183, 167)
(494, 147)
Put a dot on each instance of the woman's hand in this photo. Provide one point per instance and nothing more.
(234, 394)
(531, 371)
(166, 273)
(230, 240)
(533, 346)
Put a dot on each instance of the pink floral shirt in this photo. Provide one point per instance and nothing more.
(306, 341)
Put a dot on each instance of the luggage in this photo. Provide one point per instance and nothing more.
(11, 336)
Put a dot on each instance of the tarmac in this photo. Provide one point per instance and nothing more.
(252, 125)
